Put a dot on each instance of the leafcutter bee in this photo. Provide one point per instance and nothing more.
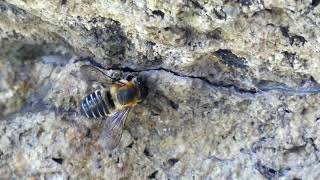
(112, 102)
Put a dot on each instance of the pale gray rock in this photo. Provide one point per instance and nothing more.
(233, 88)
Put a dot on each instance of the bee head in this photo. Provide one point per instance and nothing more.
(141, 83)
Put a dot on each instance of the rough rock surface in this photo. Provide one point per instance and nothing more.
(233, 88)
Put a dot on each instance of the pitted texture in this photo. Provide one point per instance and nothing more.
(233, 88)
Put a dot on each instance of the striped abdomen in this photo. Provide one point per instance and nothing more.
(97, 104)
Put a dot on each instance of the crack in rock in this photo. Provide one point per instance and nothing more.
(204, 79)
(256, 90)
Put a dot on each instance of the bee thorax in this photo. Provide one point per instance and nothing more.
(126, 96)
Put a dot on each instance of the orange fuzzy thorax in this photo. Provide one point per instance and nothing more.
(115, 88)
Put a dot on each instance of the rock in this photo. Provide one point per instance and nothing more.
(233, 89)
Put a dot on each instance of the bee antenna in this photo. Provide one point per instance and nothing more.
(109, 76)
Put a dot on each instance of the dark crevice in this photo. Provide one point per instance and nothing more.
(295, 149)
(293, 38)
(231, 59)
(88, 133)
(174, 105)
(254, 90)
(58, 160)
(196, 4)
(311, 141)
(220, 14)
(219, 84)
(297, 40)
(285, 31)
(268, 172)
(246, 2)
(315, 2)
(98, 163)
(295, 178)
(63, 2)
(130, 145)
(172, 161)
(158, 13)
(131, 70)
(146, 152)
(153, 175)
(289, 58)
(215, 34)
(219, 159)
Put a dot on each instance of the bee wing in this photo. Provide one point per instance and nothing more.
(92, 74)
(112, 130)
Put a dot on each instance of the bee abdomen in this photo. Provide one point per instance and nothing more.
(94, 105)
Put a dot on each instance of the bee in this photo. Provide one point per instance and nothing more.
(112, 102)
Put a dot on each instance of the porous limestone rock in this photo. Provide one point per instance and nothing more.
(233, 88)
